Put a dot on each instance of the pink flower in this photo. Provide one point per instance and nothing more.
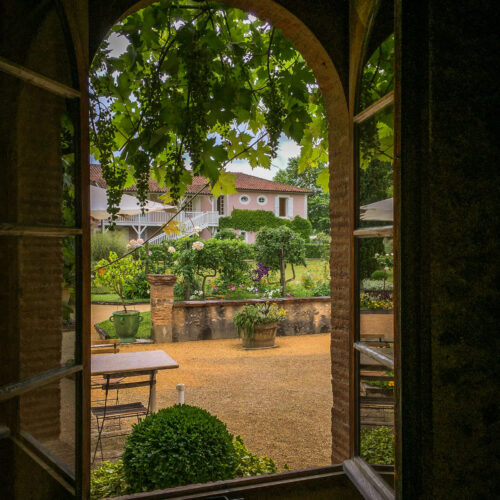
(232, 287)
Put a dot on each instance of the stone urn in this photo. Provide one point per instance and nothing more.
(263, 337)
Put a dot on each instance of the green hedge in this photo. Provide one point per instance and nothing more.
(251, 220)
(255, 220)
(302, 227)
(316, 251)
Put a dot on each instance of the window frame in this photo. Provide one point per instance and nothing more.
(247, 196)
(366, 477)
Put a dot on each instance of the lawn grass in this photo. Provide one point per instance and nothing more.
(112, 297)
(144, 331)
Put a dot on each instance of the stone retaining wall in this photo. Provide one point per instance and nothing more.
(206, 320)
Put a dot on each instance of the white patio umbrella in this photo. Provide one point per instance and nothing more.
(129, 205)
(382, 210)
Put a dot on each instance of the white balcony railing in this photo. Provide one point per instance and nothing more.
(187, 222)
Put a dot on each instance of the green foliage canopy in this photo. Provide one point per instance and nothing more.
(199, 85)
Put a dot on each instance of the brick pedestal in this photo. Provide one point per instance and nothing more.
(162, 302)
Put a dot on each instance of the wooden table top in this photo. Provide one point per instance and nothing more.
(131, 362)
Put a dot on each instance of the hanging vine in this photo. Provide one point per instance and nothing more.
(192, 86)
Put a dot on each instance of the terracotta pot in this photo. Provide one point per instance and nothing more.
(263, 337)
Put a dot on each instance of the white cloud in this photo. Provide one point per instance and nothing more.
(287, 149)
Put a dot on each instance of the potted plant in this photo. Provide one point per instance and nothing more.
(257, 324)
(114, 275)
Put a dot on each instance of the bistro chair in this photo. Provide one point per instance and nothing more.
(115, 412)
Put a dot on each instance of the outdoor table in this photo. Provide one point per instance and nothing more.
(129, 364)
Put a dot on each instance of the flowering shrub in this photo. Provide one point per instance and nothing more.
(198, 245)
(370, 302)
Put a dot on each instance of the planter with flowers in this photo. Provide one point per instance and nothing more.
(257, 325)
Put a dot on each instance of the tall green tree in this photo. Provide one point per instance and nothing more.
(198, 85)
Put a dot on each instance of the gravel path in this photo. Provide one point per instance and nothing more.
(278, 400)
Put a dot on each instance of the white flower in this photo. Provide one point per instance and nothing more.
(198, 245)
(140, 241)
(376, 255)
(197, 229)
(392, 254)
(171, 249)
(387, 255)
(386, 268)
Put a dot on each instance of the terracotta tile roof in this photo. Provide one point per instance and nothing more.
(244, 182)
(97, 179)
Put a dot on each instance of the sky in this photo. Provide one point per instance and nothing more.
(286, 147)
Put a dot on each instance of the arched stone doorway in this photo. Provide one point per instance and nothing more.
(326, 54)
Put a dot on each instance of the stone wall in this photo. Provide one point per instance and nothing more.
(206, 320)
(210, 320)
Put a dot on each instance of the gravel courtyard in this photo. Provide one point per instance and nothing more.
(278, 400)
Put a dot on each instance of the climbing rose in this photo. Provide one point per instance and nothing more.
(198, 245)
(171, 249)
(140, 241)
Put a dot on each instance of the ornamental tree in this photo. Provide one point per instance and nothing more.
(114, 275)
(198, 84)
(278, 247)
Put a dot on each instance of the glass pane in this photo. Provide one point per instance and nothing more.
(41, 327)
(378, 74)
(376, 332)
(376, 146)
(47, 417)
(40, 43)
(38, 172)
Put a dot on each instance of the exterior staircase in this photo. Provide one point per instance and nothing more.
(187, 222)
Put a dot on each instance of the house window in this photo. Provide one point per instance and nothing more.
(283, 204)
(244, 199)
(261, 200)
(188, 204)
(221, 205)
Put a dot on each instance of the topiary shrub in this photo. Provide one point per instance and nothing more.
(178, 445)
(379, 275)
(377, 445)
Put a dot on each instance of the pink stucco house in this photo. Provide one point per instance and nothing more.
(204, 210)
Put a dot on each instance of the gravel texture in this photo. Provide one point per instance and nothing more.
(278, 400)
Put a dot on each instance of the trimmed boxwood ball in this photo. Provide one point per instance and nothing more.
(178, 445)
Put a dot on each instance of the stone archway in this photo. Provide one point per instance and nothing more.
(320, 34)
